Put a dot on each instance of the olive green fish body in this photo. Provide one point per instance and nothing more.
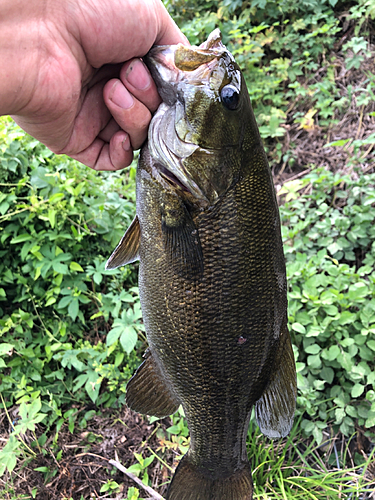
(212, 284)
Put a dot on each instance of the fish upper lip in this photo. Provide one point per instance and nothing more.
(167, 72)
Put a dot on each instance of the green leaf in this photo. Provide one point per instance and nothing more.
(313, 331)
(340, 414)
(347, 317)
(351, 411)
(98, 277)
(148, 461)
(52, 217)
(327, 374)
(92, 385)
(318, 435)
(56, 197)
(135, 469)
(357, 390)
(298, 328)
(22, 237)
(358, 291)
(346, 361)
(60, 268)
(50, 301)
(332, 352)
(80, 381)
(313, 349)
(73, 308)
(113, 335)
(30, 416)
(41, 469)
(128, 339)
(8, 455)
(341, 142)
(6, 349)
(74, 266)
(65, 301)
(314, 361)
(370, 422)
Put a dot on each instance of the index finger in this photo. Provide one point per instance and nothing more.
(169, 32)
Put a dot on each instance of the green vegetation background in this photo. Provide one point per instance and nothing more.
(71, 333)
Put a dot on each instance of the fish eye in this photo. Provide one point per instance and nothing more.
(230, 97)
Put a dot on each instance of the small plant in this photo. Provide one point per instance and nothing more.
(133, 494)
(110, 487)
(140, 468)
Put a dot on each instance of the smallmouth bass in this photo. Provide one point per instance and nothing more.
(212, 275)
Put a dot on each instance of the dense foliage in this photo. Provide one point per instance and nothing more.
(329, 242)
(66, 324)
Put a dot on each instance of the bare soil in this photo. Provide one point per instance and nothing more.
(83, 467)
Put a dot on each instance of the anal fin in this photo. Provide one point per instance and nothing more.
(148, 393)
(275, 409)
(127, 250)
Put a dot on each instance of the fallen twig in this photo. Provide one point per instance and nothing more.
(149, 490)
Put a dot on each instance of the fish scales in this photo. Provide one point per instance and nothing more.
(212, 274)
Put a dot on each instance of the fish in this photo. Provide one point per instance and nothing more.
(212, 277)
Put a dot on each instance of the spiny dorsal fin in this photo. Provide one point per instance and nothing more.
(274, 411)
(148, 392)
(127, 250)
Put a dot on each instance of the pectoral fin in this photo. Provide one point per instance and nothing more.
(274, 411)
(181, 240)
(148, 393)
(127, 250)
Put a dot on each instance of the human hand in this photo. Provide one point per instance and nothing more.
(76, 95)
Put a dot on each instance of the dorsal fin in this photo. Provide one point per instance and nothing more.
(127, 250)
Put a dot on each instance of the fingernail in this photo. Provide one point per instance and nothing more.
(126, 143)
(137, 75)
(121, 97)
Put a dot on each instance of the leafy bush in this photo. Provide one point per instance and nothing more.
(59, 222)
(330, 250)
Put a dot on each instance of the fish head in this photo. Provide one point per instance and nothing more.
(195, 137)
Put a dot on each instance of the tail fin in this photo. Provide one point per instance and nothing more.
(190, 483)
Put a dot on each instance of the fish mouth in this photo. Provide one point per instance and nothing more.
(172, 139)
